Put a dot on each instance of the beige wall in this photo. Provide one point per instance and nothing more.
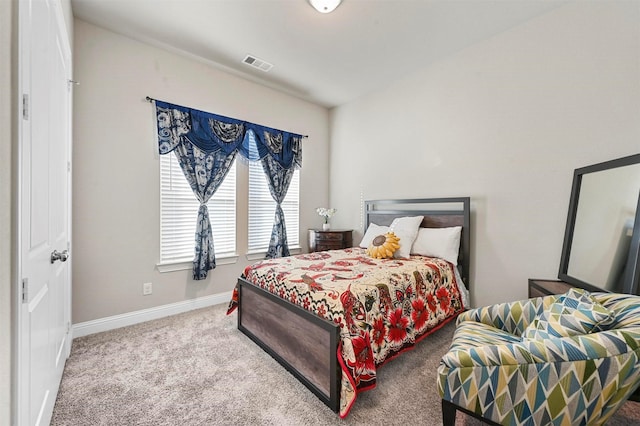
(506, 122)
(116, 168)
(7, 125)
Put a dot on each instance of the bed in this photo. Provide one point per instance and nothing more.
(332, 318)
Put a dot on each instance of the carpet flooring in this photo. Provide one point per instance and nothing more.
(196, 368)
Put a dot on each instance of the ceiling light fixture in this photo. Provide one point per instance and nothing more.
(325, 6)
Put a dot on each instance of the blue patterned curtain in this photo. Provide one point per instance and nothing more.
(278, 179)
(204, 172)
(206, 145)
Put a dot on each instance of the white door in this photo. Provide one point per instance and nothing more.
(44, 216)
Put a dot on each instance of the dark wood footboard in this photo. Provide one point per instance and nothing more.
(303, 343)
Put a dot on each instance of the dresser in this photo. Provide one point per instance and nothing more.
(541, 288)
(320, 240)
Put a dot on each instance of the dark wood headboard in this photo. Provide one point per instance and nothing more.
(437, 212)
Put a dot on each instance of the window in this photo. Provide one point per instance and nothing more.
(262, 210)
(179, 211)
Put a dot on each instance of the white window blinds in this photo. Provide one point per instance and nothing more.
(179, 211)
(262, 210)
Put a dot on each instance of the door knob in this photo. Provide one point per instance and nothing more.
(61, 256)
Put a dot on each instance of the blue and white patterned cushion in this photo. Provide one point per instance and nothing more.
(574, 313)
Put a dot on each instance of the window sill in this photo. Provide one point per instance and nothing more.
(259, 255)
(186, 265)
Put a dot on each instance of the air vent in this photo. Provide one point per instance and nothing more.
(257, 63)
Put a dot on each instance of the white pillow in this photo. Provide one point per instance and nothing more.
(405, 228)
(438, 242)
(372, 231)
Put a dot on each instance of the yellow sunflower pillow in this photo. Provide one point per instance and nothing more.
(383, 246)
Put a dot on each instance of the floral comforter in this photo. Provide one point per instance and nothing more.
(383, 306)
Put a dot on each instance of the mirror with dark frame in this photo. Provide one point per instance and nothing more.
(601, 249)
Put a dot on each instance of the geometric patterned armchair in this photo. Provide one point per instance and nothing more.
(569, 359)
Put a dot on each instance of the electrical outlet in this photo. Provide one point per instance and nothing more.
(147, 289)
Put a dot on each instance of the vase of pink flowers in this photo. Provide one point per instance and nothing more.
(326, 215)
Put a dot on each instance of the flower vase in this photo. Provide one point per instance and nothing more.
(326, 226)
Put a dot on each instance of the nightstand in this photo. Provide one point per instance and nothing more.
(541, 288)
(320, 240)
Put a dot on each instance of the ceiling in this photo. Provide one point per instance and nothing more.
(328, 59)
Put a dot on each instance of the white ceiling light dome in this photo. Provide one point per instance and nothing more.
(325, 6)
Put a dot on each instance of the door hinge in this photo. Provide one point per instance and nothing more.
(25, 290)
(68, 326)
(25, 106)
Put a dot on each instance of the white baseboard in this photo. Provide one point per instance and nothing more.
(136, 317)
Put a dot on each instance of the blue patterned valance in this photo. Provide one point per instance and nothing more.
(213, 133)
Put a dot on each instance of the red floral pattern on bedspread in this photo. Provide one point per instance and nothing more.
(383, 306)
